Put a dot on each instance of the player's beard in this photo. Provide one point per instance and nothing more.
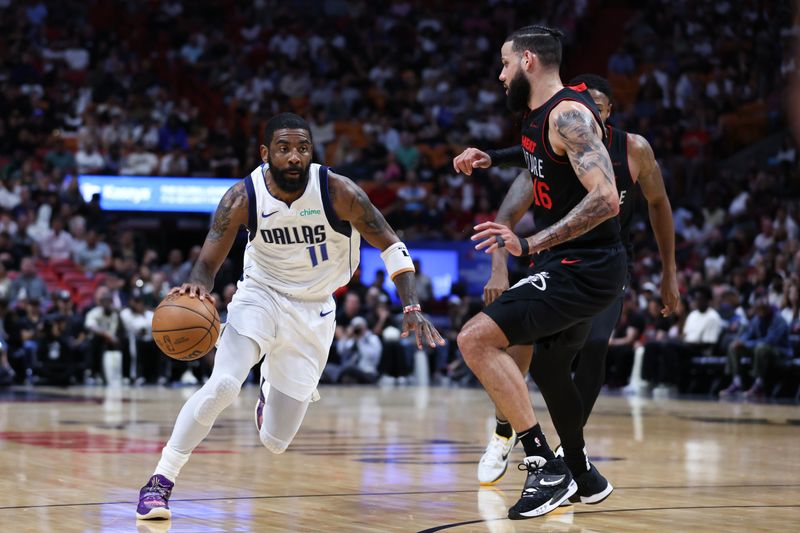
(519, 91)
(285, 183)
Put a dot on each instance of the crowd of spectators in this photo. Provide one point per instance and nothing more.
(392, 90)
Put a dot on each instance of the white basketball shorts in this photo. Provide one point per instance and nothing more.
(294, 335)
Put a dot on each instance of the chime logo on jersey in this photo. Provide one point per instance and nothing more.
(294, 235)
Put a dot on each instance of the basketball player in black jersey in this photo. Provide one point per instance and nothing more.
(579, 261)
(634, 163)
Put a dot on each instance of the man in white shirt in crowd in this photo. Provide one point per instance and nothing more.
(667, 363)
(56, 244)
(139, 162)
(102, 323)
(146, 363)
(360, 354)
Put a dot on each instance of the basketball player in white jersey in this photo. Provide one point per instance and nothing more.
(304, 224)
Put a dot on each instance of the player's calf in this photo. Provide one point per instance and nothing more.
(270, 442)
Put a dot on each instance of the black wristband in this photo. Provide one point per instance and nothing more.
(507, 157)
(526, 248)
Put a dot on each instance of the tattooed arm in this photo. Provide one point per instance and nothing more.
(644, 168)
(230, 215)
(351, 204)
(574, 131)
(518, 200)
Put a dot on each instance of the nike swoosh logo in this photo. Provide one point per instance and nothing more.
(325, 314)
(570, 261)
(266, 215)
(546, 483)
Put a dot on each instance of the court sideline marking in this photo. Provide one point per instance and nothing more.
(405, 493)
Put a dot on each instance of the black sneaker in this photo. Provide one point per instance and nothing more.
(593, 488)
(549, 483)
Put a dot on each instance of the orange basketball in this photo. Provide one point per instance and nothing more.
(185, 328)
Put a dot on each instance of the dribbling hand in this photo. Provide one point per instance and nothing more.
(469, 159)
(194, 290)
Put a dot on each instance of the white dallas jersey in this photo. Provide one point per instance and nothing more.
(304, 250)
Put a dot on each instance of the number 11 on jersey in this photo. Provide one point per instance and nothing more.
(323, 253)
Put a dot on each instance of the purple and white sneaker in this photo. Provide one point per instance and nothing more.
(154, 499)
(262, 400)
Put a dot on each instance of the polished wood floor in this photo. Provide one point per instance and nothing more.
(388, 459)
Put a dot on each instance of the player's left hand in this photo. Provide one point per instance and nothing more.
(425, 331)
(488, 233)
(669, 294)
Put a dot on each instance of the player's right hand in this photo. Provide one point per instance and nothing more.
(194, 290)
(496, 285)
(471, 158)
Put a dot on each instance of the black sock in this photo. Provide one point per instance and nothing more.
(535, 444)
(503, 428)
(576, 461)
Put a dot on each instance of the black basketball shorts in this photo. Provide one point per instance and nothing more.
(564, 287)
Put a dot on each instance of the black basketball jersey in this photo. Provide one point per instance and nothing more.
(617, 145)
(556, 187)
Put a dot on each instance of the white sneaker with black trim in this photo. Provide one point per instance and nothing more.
(494, 462)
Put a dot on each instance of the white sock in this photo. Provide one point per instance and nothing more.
(737, 380)
(171, 463)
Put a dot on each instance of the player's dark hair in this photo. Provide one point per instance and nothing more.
(283, 121)
(593, 82)
(543, 41)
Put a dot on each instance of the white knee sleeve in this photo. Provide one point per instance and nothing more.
(282, 418)
(222, 392)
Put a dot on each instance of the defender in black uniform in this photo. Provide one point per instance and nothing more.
(633, 162)
(579, 260)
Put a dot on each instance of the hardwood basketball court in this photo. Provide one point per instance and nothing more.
(388, 459)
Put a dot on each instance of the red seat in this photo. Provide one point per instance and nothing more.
(48, 276)
(72, 278)
(67, 265)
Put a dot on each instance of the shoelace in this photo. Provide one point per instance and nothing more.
(157, 489)
(532, 469)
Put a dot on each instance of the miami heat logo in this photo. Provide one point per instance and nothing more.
(538, 280)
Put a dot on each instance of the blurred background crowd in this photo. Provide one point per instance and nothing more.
(392, 91)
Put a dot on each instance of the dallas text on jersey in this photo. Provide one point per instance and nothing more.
(294, 235)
